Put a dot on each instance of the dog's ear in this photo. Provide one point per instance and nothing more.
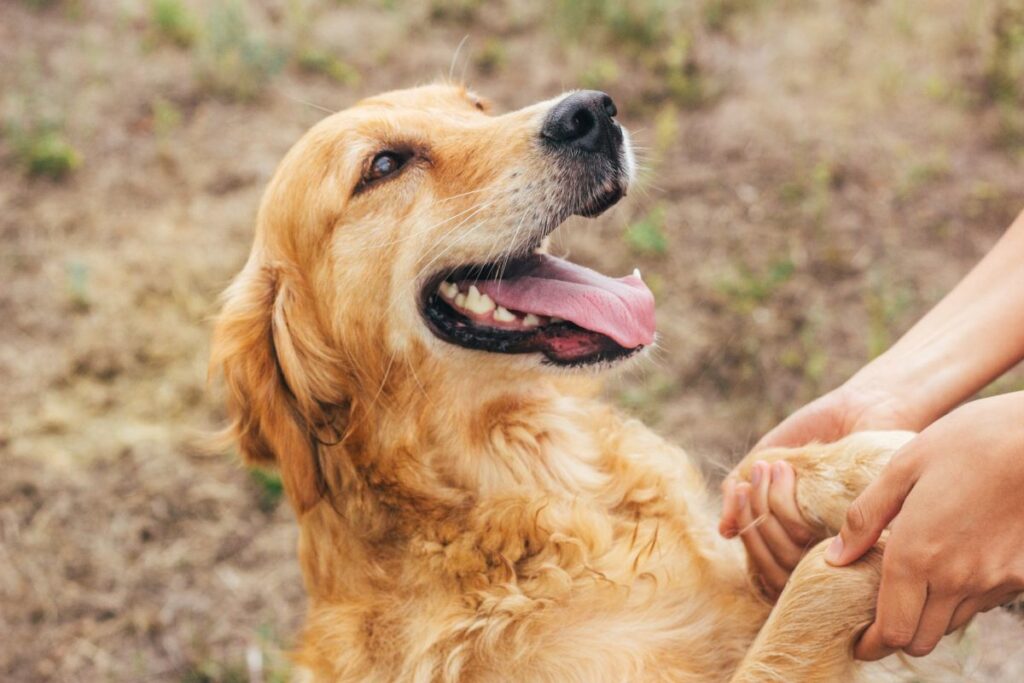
(272, 365)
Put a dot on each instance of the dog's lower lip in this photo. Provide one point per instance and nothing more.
(603, 202)
(588, 347)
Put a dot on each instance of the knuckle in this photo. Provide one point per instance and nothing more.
(856, 518)
(894, 562)
(778, 501)
(904, 462)
(961, 579)
(787, 556)
(896, 637)
(756, 506)
(920, 649)
(933, 554)
(799, 533)
(906, 556)
(992, 575)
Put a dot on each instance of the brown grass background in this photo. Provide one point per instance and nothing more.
(818, 173)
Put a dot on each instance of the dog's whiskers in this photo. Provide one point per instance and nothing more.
(456, 242)
(480, 208)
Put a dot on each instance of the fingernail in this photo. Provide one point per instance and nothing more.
(778, 470)
(835, 549)
(741, 498)
(755, 478)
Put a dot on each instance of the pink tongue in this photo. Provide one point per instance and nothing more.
(622, 308)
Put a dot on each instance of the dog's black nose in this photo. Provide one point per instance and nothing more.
(583, 120)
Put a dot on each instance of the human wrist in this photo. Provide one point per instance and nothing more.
(892, 394)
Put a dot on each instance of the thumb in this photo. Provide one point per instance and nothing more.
(872, 511)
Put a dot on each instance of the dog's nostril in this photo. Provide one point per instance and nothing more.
(609, 106)
(582, 122)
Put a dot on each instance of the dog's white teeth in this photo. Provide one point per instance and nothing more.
(636, 273)
(503, 315)
(448, 289)
(477, 302)
(460, 300)
(531, 320)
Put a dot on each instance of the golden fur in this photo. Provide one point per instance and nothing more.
(476, 517)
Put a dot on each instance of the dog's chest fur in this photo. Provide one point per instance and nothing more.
(566, 544)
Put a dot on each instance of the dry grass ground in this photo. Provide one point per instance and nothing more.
(818, 173)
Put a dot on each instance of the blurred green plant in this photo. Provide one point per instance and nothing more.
(666, 129)
(43, 150)
(681, 73)
(665, 136)
(491, 57)
(1004, 73)
(747, 289)
(647, 235)
(601, 74)
(166, 116)
(805, 354)
(923, 173)
(658, 36)
(461, 11)
(264, 661)
(1010, 127)
(270, 488)
(77, 283)
(718, 14)
(72, 8)
(231, 61)
(647, 399)
(317, 61)
(885, 303)
(811, 191)
(172, 22)
(215, 672)
(638, 25)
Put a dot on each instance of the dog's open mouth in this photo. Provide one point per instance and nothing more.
(542, 304)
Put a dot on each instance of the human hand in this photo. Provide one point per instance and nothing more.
(764, 512)
(955, 546)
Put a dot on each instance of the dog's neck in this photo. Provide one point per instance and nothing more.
(408, 461)
(474, 436)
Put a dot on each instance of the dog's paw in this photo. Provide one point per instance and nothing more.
(830, 476)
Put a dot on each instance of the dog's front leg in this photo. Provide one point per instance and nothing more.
(810, 633)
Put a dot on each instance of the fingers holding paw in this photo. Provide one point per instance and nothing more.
(767, 518)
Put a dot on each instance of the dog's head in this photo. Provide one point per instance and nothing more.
(410, 229)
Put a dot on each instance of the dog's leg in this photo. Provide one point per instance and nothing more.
(810, 633)
(830, 476)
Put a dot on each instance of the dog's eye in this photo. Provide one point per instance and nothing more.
(384, 164)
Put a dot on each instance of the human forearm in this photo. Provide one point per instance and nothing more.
(972, 336)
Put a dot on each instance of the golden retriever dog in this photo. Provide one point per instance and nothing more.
(425, 377)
